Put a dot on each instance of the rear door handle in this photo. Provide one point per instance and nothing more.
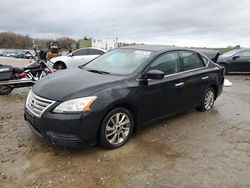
(179, 84)
(205, 78)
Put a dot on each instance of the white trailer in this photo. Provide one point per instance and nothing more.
(105, 44)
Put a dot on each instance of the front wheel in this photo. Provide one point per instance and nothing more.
(207, 101)
(5, 90)
(59, 65)
(116, 128)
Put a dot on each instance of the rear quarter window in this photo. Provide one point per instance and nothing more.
(205, 60)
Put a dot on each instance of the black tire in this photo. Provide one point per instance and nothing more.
(122, 133)
(225, 69)
(59, 65)
(5, 90)
(207, 103)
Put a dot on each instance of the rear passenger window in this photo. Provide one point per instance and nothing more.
(168, 63)
(191, 60)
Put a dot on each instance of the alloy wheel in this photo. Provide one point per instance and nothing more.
(209, 100)
(117, 128)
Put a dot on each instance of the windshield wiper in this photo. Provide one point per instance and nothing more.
(98, 71)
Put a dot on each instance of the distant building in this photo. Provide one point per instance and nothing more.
(84, 43)
(105, 44)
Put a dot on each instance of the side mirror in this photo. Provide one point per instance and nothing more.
(154, 74)
(236, 57)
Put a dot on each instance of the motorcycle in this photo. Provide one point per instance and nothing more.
(15, 77)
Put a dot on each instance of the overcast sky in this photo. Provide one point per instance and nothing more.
(172, 22)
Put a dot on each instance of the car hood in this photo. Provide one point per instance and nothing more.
(73, 83)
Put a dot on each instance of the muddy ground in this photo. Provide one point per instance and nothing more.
(193, 149)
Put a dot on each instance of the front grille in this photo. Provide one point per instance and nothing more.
(37, 105)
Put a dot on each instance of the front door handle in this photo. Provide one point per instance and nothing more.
(205, 78)
(179, 84)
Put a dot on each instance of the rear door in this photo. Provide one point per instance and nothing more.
(78, 58)
(93, 53)
(242, 62)
(195, 76)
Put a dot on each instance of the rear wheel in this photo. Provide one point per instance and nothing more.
(5, 90)
(116, 128)
(207, 101)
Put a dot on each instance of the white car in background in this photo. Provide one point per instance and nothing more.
(76, 58)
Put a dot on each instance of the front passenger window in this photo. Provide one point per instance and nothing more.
(168, 63)
(81, 52)
(95, 52)
(191, 60)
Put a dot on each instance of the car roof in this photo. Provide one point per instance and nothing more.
(92, 48)
(160, 48)
(210, 53)
(153, 48)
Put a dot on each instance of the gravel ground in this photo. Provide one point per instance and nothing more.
(193, 149)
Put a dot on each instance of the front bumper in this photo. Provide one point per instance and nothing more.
(73, 130)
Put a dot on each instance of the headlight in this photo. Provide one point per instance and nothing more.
(27, 99)
(75, 105)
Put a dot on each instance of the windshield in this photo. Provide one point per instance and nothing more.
(230, 53)
(119, 61)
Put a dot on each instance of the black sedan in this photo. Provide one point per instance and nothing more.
(119, 92)
(235, 61)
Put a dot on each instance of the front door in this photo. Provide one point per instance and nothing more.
(240, 62)
(78, 57)
(166, 96)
